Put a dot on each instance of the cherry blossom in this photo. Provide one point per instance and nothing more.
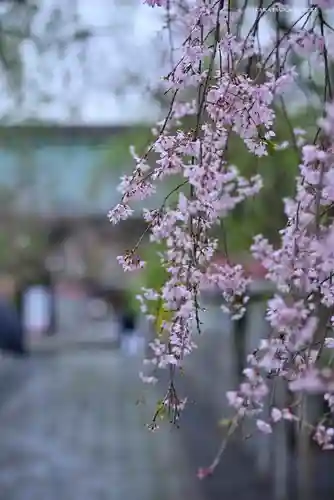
(264, 427)
(213, 86)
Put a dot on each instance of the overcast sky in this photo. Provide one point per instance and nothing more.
(102, 80)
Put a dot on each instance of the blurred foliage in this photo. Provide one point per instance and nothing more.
(118, 159)
(23, 249)
(152, 276)
(263, 214)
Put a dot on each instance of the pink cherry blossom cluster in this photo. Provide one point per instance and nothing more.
(213, 84)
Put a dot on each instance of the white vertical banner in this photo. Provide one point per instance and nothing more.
(36, 310)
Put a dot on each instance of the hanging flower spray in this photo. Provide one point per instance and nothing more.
(214, 82)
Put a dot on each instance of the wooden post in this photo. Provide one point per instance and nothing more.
(280, 452)
(239, 344)
(257, 329)
(304, 467)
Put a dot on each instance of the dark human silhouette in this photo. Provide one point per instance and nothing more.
(128, 322)
(45, 279)
(11, 331)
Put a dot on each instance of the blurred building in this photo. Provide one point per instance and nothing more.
(48, 214)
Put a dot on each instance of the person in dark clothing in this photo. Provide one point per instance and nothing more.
(45, 279)
(127, 324)
(11, 330)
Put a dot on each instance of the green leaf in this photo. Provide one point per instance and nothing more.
(160, 410)
(271, 146)
(224, 422)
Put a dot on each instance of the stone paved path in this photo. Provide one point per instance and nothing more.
(73, 431)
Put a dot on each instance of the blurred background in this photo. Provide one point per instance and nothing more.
(73, 98)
